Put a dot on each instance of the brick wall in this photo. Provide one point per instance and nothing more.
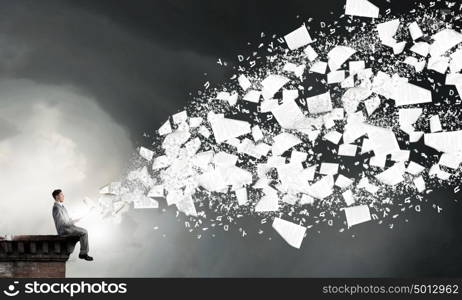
(40, 256)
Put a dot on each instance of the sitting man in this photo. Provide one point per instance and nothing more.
(65, 225)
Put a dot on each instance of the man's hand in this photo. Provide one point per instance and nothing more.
(76, 220)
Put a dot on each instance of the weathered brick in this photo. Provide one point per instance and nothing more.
(42, 256)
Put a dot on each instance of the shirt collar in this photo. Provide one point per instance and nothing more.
(59, 203)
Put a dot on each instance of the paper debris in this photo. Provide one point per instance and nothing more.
(419, 183)
(306, 200)
(333, 137)
(450, 141)
(298, 38)
(241, 195)
(387, 31)
(292, 233)
(335, 77)
(146, 153)
(238, 150)
(298, 70)
(298, 156)
(328, 169)
(142, 202)
(361, 8)
(408, 93)
(195, 122)
(407, 117)
(357, 215)
(310, 53)
(156, 191)
(252, 96)
(343, 181)
(180, 117)
(269, 202)
(414, 168)
(244, 82)
(438, 63)
(338, 55)
(450, 160)
(372, 105)
(378, 160)
(257, 134)
(224, 159)
(272, 84)
(392, 175)
(319, 104)
(456, 61)
(435, 123)
(322, 188)
(283, 142)
(400, 155)
(444, 41)
(415, 31)
(412, 61)
(347, 150)
(160, 162)
(224, 128)
(165, 129)
(348, 197)
(319, 67)
(288, 114)
(421, 48)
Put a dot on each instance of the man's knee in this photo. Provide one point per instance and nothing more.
(80, 231)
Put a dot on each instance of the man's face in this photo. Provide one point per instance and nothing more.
(60, 197)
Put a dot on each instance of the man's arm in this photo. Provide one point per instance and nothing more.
(75, 220)
(61, 218)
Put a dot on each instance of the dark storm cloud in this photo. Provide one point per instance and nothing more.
(7, 129)
(139, 81)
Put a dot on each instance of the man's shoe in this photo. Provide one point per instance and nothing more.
(86, 257)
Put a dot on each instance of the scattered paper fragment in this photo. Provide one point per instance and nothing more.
(348, 197)
(272, 84)
(347, 150)
(444, 41)
(319, 104)
(335, 77)
(357, 215)
(310, 53)
(319, 67)
(435, 124)
(333, 137)
(298, 38)
(419, 183)
(392, 175)
(292, 233)
(146, 153)
(338, 55)
(414, 168)
(343, 181)
(329, 169)
(415, 31)
(244, 82)
(283, 142)
(361, 8)
(241, 195)
(224, 128)
(166, 128)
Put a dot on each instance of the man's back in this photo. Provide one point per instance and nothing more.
(61, 218)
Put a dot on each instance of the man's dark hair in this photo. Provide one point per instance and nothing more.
(55, 193)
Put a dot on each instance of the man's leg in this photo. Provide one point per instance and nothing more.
(83, 234)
